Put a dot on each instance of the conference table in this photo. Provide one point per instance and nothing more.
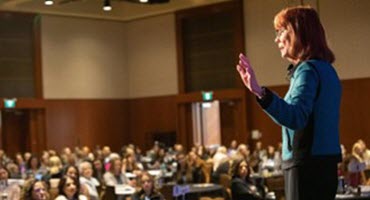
(192, 191)
(352, 197)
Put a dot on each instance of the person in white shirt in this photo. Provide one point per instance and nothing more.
(88, 180)
(10, 191)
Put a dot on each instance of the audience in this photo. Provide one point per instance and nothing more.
(234, 168)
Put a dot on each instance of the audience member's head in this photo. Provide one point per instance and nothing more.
(115, 166)
(69, 187)
(4, 173)
(33, 162)
(86, 169)
(71, 171)
(241, 169)
(35, 190)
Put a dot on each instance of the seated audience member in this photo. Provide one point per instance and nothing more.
(14, 171)
(69, 189)
(3, 158)
(19, 161)
(203, 153)
(343, 166)
(231, 151)
(87, 180)
(35, 189)
(224, 168)
(106, 156)
(33, 168)
(54, 168)
(27, 155)
(365, 153)
(147, 190)
(129, 163)
(193, 170)
(12, 191)
(99, 170)
(219, 157)
(356, 167)
(242, 188)
(73, 172)
(115, 176)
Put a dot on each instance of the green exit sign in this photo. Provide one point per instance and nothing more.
(10, 103)
(207, 96)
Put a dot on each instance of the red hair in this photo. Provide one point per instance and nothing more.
(306, 33)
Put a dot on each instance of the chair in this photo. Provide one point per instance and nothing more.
(276, 184)
(108, 193)
(225, 181)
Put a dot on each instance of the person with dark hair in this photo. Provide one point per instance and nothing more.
(71, 171)
(9, 190)
(242, 187)
(33, 168)
(147, 190)
(69, 189)
(309, 113)
(35, 190)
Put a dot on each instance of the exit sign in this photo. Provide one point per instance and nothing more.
(10, 103)
(207, 96)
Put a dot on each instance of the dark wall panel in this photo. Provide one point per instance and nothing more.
(86, 122)
(151, 116)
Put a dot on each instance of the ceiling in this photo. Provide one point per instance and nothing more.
(122, 10)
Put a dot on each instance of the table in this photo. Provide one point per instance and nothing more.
(352, 197)
(195, 191)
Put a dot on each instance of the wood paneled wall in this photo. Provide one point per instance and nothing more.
(87, 122)
(119, 122)
(151, 115)
(108, 122)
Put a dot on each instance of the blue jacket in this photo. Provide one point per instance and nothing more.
(309, 113)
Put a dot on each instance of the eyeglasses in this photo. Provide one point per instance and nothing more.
(279, 32)
(37, 190)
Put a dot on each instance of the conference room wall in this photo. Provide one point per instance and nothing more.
(83, 58)
(347, 30)
(259, 46)
(134, 59)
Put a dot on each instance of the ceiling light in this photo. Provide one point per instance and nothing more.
(107, 6)
(49, 2)
(143, 1)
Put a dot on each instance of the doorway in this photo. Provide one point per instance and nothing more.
(220, 122)
(206, 123)
(22, 130)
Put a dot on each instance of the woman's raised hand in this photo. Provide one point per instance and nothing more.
(248, 77)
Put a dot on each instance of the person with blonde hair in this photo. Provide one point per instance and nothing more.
(309, 112)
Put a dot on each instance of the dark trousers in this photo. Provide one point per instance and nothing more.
(316, 180)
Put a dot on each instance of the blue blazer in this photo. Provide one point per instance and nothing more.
(309, 113)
